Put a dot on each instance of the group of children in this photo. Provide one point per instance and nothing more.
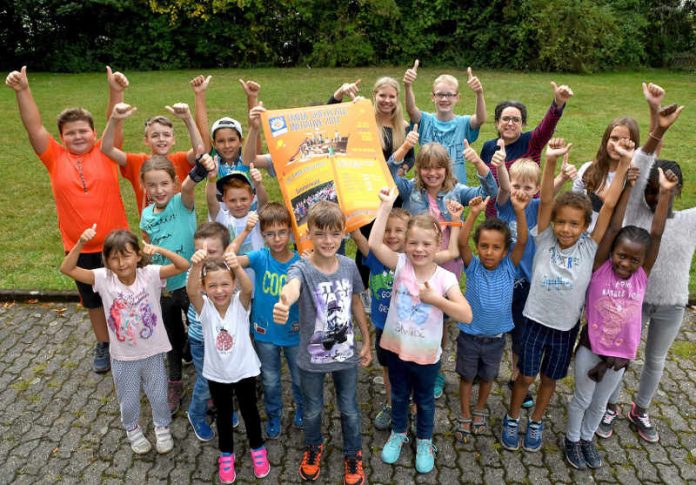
(249, 297)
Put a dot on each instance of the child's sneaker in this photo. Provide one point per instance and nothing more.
(606, 426)
(139, 443)
(235, 419)
(392, 448)
(102, 358)
(510, 437)
(165, 442)
(574, 455)
(533, 437)
(383, 418)
(425, 455)
(201, 428)
(592, 456)
(354, 474)
(311, 462)
(297, 421)
(226, 468)
(175, 391)
(259, 458)
(439, 385)
(273, 427)
(640, 422)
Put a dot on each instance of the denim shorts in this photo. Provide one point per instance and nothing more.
(479, 356)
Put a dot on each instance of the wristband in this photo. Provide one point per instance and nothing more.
(198, 171)
(654, 137)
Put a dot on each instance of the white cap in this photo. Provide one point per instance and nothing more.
(226, 122)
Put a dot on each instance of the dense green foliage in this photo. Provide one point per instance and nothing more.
(544, 35)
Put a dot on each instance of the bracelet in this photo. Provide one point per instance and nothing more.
(654, 137)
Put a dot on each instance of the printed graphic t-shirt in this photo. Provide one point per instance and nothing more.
(327, 337)
(381, 281)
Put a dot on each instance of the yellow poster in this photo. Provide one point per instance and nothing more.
(330, 152)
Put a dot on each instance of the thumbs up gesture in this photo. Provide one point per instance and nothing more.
(473, 82)
(568, 170)
(412, 137)
(281, 310)
(180, 110)
(88, 234)
(561, 94)
(498, 157)
(17, 80)
(255, 115)
(122, 111)
(411, 74)
(426, 294)
(200, 83)
(470, 154)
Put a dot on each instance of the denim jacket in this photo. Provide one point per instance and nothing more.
(416, 201)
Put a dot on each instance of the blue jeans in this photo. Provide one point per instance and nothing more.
(270, 357)
(346, 384)
(406, 377)
(201, 393)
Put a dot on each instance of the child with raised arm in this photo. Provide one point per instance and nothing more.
(230, 364)
(170, 221)
(560, 275)
(272, 340)
(444, 126)
(84, 184)
(159, 138)
(422, 294)
(327, 286)
(611, 337)
(490, 279)
(130, 289)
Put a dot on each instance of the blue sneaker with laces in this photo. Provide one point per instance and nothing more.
(439, 385)
(425, 455)
(510, 437)
(273, 427)
(392, 448)
(533, 437)
(201, 428)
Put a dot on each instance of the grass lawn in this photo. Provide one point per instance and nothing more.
(31, 248)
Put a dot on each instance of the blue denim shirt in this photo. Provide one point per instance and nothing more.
(416, 201)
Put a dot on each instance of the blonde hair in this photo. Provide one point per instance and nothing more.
(446, 78)
(326, 215)
(397, 116)
(434, 155)
(427, 223)
(526, 169)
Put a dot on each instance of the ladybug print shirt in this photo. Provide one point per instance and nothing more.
(229, 354)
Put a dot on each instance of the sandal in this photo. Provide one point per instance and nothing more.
(463, 431)
(480, 426)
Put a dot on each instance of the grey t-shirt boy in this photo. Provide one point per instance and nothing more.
(559, 280)
(327, 338)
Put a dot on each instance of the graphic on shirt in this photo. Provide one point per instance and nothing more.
(223, 341)
(381, 287)
(409, 307)
(614, 315)
(130, 317)
(332, 340)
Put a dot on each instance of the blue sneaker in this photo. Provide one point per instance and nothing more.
(102, 359)
(533, 437)
(235, 419)
(425, 455)
(201, 428)
(439, 385)
(392, 448)
(297, 421)
(273, 427)
(510, 437)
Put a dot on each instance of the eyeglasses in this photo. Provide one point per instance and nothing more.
(445, 95)
(511, 119)
(278, 234)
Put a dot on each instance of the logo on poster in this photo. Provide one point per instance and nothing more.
(278, 126)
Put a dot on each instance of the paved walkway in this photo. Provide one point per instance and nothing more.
(60, 423)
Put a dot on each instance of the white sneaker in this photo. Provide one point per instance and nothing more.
(139, 443)
(165, 442)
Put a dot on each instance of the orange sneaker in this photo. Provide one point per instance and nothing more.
(311, 462)
(355, 475)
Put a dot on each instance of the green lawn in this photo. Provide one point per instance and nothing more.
(30, 244)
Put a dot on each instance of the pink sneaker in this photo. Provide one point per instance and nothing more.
(261, 465)
(227, 473)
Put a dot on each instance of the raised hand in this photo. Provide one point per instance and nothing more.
(122, 111)
(470, 154)
(200, 255)
(88, 234)
(412, 137)
(251, 88)
(519, 200)
(668, 179)
(568, 170)
(149, 249)
(255, 115)
(557, 148)
(17, 80)
(252, 220)
(455, 209)
(117, 80)
(668, 115)
(255, 174)
(348, 89)
(499, 156)
(561, 94)
(231, 259)
(207, 162)
(387, 195)
(180, 110)
(625, 147)
(473, 82)
(478, 204)
(653, 95)
(411, 74)
(200, 83)
(281, 310)
(632, 175)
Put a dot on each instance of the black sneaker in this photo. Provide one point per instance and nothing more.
(606, 426)
(102, 359)
(574, 455)
(640, 422)
(592, 456)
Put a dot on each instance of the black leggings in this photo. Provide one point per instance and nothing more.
(174, 307)
(246, 397)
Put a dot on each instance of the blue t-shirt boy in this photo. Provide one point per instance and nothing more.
(531, 212)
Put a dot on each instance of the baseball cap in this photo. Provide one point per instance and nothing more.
(237, 174)
(226, 122)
